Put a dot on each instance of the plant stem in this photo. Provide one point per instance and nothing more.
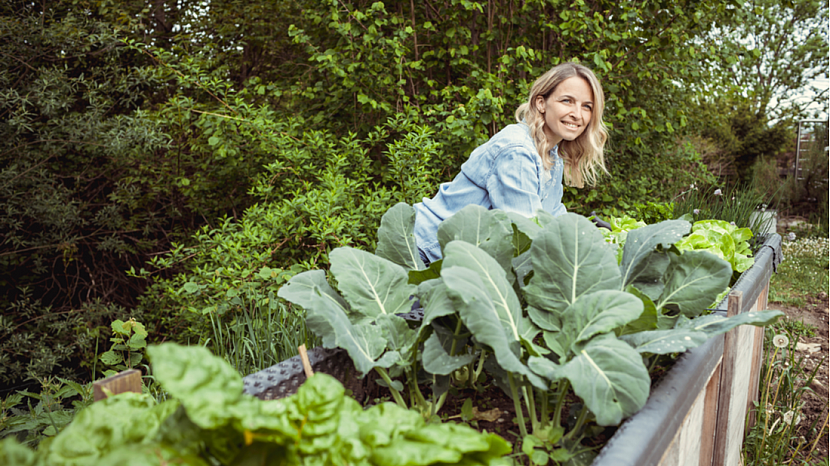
(517, 405)
(580, 420)
(557, 411)
(530, 402)
(395, 394)
(543, 394)
(480, 363)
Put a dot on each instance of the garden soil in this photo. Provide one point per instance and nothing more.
(815, 351)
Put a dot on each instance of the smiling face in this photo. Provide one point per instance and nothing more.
(567, 110)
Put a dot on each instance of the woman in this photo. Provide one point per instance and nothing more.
(520, 169)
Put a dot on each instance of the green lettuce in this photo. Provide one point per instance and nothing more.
(722, 239)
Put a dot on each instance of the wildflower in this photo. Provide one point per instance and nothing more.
(732, 223)
(791, 236)
(788, 418)
(697, 211)
(780, 340)
(718, 192)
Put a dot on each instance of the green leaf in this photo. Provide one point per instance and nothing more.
(643, 265)
(107, 425)
(191, 287)
(693, 280)
(363, 341)
(13, 453)
(300, 289)
(396, 237)
(599, 312)
(119, 327)
(715, 324)
(648, 318)
(491, 324)
(544, 367)
(437, 361)
(304, 289)
(609, 376)
(467, 410)
(489, 230)
(372, 285)
(416, 277)
(205, 384)
(570, 258)
(111, 358)
(137, 341)
(665, 341)
(435, 301)
(546, 320)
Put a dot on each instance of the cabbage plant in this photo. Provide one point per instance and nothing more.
(542, 305)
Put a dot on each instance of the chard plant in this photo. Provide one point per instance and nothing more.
(542, 305)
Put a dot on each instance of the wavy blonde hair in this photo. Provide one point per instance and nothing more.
(582, 156)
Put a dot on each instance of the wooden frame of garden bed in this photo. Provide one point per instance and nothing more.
(695, 416)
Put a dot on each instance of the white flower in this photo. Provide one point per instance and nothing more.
(780, 341)
(697, 211)
(788, 418)
(732, 223)
(718, 192)
(791, 236)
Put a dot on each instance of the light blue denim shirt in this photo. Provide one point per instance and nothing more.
(504, 173)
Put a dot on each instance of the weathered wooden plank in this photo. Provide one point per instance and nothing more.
(125, 381)
(757, 356)
(710, 417)
(727, 378)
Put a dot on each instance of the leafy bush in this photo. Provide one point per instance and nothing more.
(210, 421)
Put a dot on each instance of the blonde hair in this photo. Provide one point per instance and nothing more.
(582, 156)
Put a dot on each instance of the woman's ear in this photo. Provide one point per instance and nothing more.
(540, 104)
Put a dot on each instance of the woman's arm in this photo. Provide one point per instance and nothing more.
(514, 185)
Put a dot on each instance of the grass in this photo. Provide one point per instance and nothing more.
(779, 437)
(804, 271)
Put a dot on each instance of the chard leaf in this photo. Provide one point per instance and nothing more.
(715, 324)
(487, 321)
(416, 277)
(372, 285)
(693, 280)
(363, 341)
(647, 320)
(610, 377)
(665, 341)
(489, 230)
(396, 237)
(205, 384)
(546, 320)
(599, 312)
(131, 419)
(570, 258)
(640, 262)
(437, 361)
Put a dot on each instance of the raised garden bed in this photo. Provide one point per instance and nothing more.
(696, 411)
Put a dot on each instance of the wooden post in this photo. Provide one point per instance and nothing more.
(710, 417)
(734, 303)
(306, 363)
(125, 381)
(757, 362)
